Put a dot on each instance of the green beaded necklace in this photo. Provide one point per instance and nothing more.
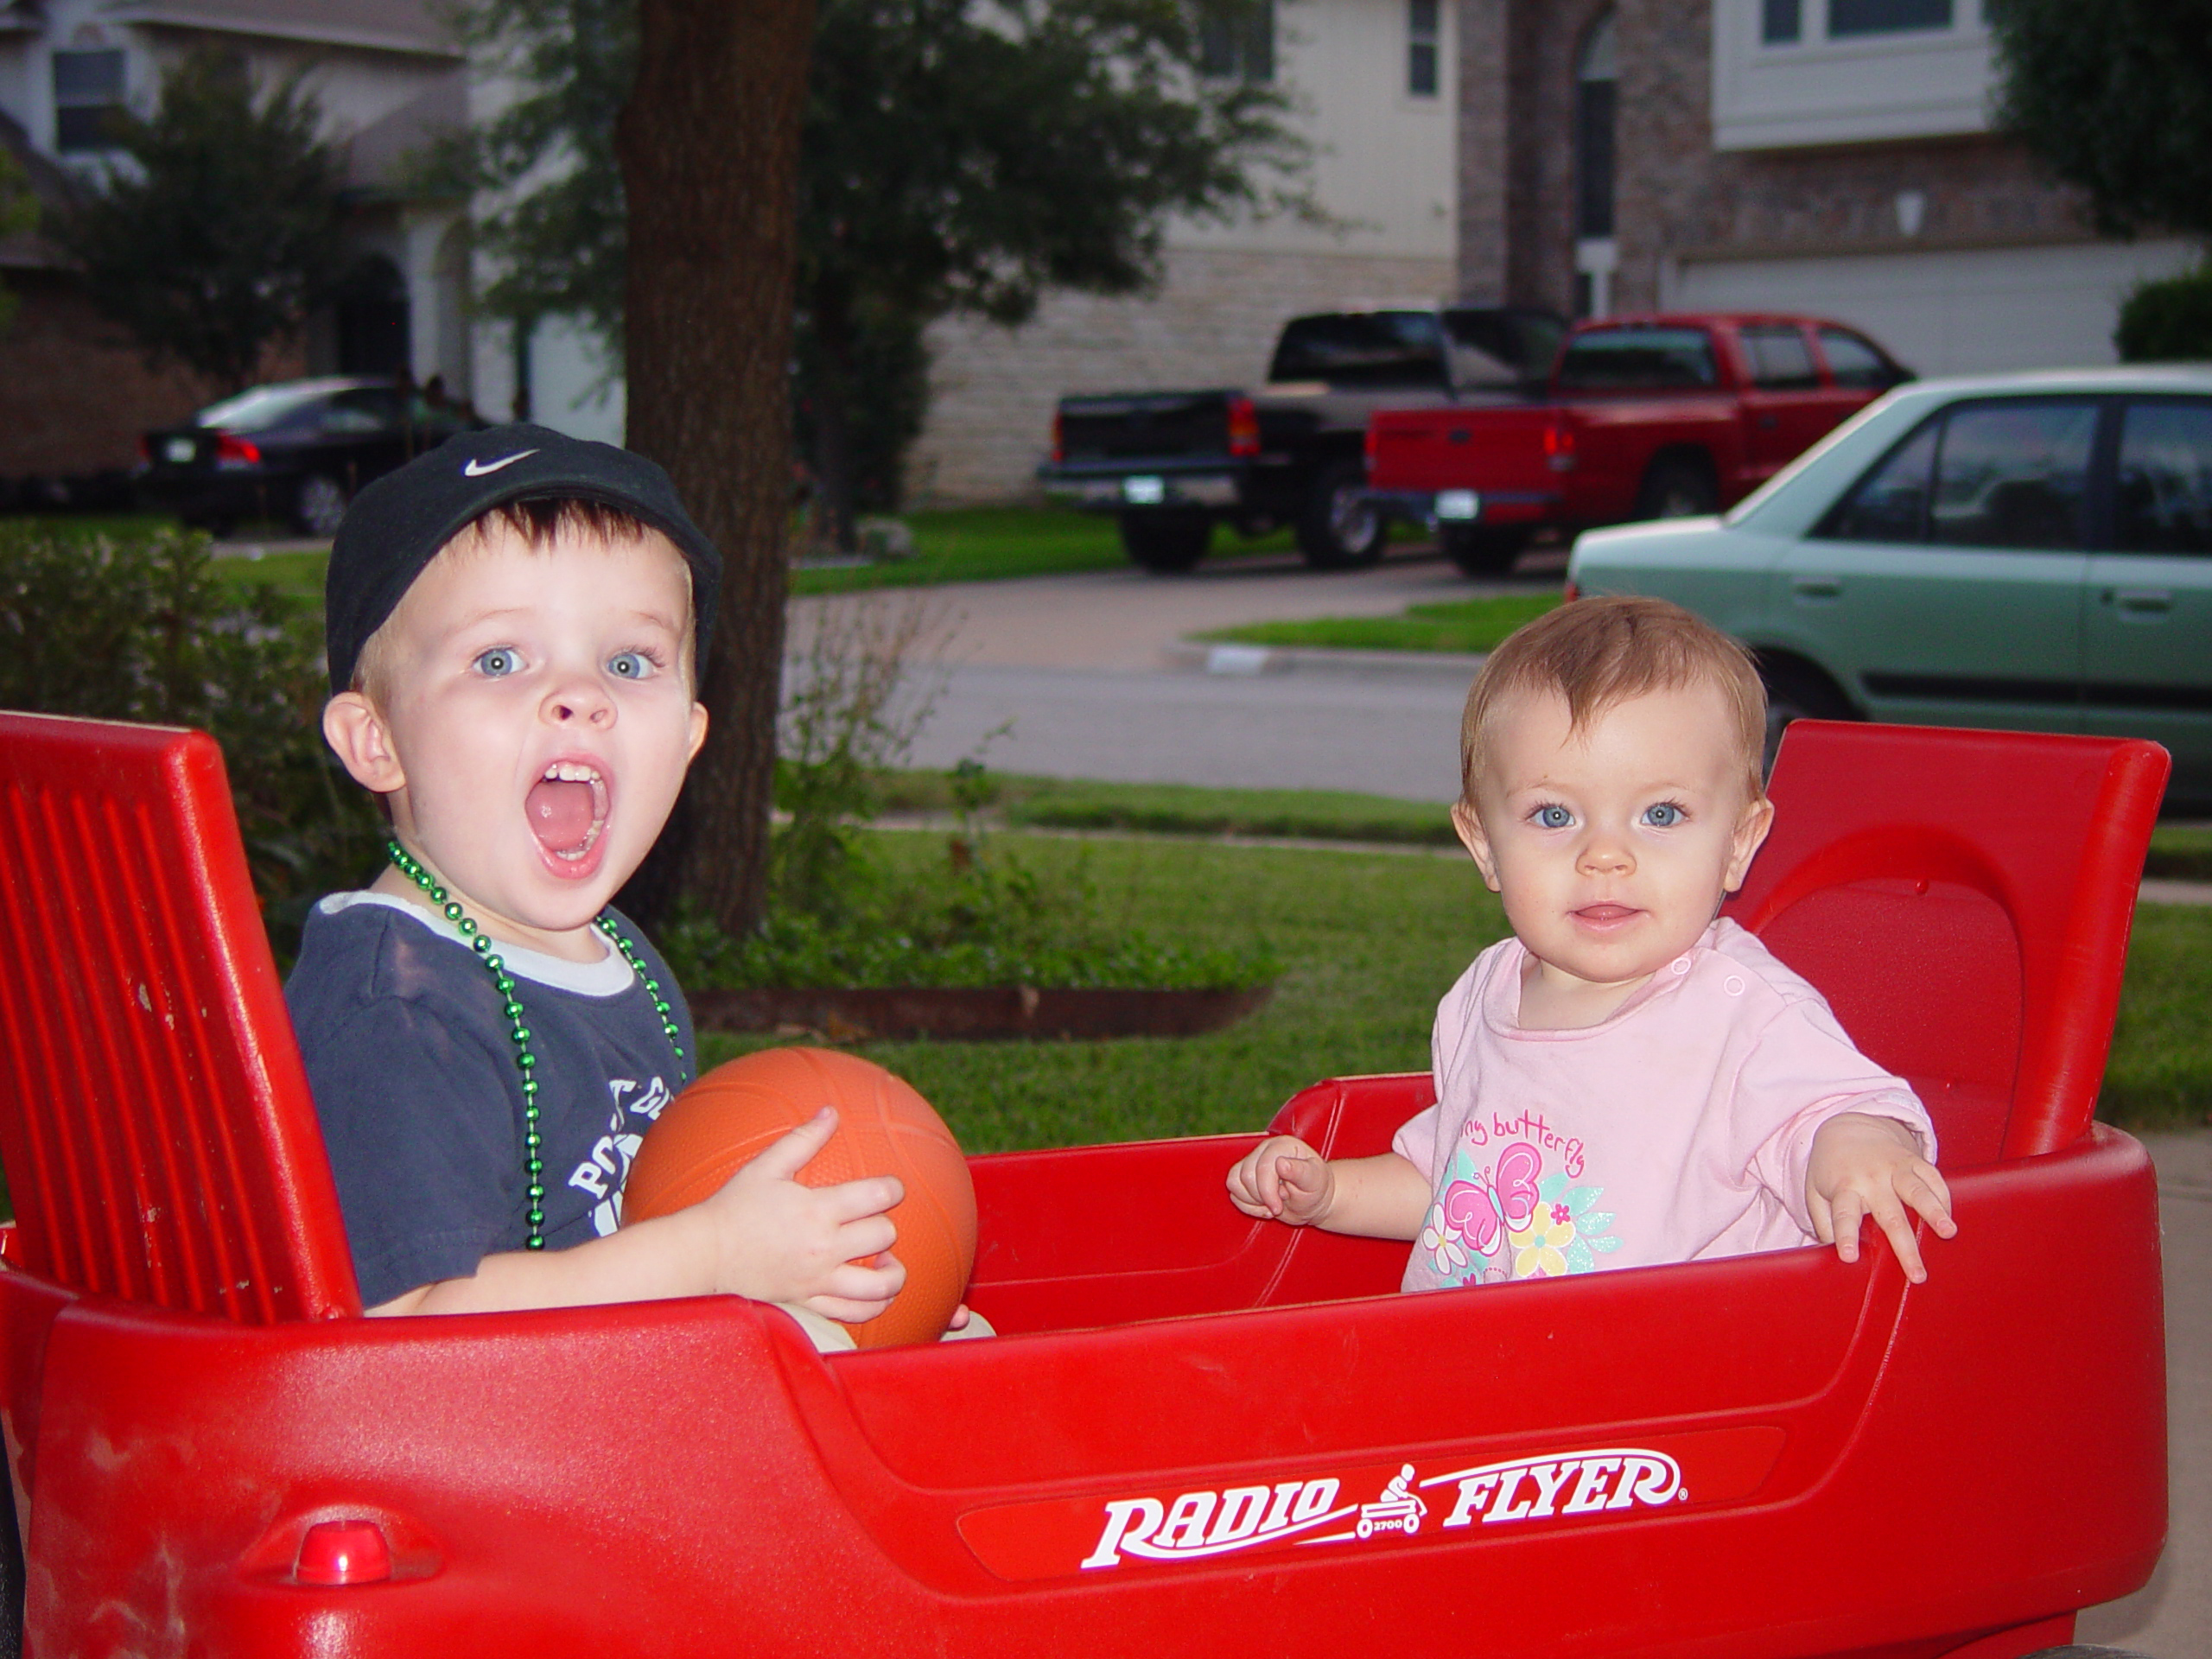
(533, 1163)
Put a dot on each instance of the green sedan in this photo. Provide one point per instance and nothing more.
(2031, 551)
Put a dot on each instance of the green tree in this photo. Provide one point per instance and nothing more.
(662, 156)
(220, 233)
(18, 213)
(2116, 97)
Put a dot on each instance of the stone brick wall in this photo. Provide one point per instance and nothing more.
(75, 394)
(1212, 323)
(1675, 196)
(1679, 198)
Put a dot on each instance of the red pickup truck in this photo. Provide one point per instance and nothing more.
(1643, 417)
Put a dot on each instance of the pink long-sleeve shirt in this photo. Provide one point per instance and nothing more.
(1678, 1129)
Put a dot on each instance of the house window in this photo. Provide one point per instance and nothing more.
(1885, 16)
(1421, 29)
(1781, 22)
(87, 97)
(1593, 134)
(1236, 40)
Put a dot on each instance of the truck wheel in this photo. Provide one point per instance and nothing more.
(1479, 552)
(1337, 528)
(1677, 486)
(1168, 541)
(1796, 692)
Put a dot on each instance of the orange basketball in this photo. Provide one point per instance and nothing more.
(728, 1117)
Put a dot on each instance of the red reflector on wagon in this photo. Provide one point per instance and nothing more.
(343, 1552)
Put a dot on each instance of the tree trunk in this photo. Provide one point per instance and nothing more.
(832, 317)
(709, 145)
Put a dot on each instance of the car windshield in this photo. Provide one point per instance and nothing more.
(1623, 360)
(261, 407)
(1365, 348)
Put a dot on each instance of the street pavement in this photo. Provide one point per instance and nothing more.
(1091, 677)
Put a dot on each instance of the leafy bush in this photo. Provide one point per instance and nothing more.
(2169, 320)
(838, 918)
(137, 627)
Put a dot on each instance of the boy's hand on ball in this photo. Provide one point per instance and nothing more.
(826, 1247)
(1284, 1178)
(1865, 1165)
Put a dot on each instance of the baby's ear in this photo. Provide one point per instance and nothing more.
(1475, 839)
(356, 731)
(1756, 819)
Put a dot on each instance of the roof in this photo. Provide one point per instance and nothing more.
(408, 26)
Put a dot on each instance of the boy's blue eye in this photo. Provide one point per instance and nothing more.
(630, 665)
(1663, 816)
(498, 663)
(1553, 817)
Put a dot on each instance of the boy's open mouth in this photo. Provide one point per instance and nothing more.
(566, 809)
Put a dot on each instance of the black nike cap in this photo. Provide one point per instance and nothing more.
(397, 524)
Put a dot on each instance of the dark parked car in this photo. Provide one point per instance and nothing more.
(295, 450)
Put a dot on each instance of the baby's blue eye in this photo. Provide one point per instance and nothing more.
(630, 665)
(1664, 815)
(1553, 817)
(498, 663)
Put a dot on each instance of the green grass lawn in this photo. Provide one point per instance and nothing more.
(1371, 940)
(1186, 809)
(2180, 852)
(1458, 625)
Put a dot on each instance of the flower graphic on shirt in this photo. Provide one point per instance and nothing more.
(1566, 1233)
(1447, 1255)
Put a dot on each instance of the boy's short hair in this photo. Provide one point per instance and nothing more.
(1598, 652)
(537, 522)
(401, 521)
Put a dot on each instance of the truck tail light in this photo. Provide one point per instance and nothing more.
(1369, 446)
(231, 448)
(1059, 439)
(1573, 592)
(1244, 427)
(1558, 447)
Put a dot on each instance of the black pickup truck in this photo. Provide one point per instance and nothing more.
(1171, 464)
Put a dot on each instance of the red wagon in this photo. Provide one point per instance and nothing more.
(1197, 1435)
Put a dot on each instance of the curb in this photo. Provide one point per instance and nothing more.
(1246, 662)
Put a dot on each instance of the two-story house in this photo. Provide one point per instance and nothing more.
(1831, 157)
(75, 393)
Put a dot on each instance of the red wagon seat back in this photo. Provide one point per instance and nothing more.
(1963, 899)
(155, 1128)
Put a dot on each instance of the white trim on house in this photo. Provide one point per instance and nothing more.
(286, 20)
(1916, 84)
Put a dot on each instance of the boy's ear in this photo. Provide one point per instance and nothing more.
(356, 731)
(1469, 823)
(698, 732)
(1752, 827)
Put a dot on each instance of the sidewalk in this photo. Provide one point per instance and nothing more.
(2171, 1617)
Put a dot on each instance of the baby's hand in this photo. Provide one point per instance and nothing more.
(1863, 1166)
(1284, 1178)
(825, 1246)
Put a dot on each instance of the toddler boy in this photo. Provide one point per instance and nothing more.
(516, 623)
(1626, 1080)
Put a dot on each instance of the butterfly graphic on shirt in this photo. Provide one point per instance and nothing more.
(1500, 1199)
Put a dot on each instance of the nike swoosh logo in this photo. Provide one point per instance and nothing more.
(478, 468)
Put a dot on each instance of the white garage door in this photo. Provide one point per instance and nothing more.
(1955, 311)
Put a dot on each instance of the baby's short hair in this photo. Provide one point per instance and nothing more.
(1599, 653)
(537, 522)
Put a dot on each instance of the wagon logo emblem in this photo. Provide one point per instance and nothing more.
(1217, 1523)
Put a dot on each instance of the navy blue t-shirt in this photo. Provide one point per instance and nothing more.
(411, 1060)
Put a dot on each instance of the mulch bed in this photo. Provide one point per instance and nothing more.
(981, 1014)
